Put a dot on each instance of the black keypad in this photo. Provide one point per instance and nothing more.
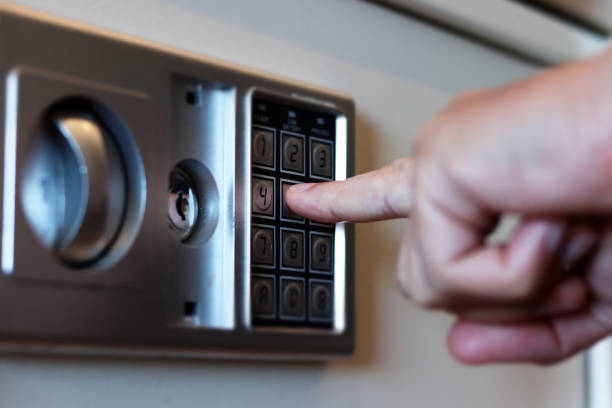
(292, 258)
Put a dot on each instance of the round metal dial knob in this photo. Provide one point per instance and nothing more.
(75, 190)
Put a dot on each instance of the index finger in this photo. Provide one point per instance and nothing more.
(377, 195)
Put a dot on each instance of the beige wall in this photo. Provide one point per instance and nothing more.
(399, 71)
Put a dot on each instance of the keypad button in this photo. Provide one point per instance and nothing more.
(263, 196)
(292, 305)
(287, 213)
(263, 296)
(292, 249)
(262, 246)
(321, 252)
(293, 153)
(321, 301)
(321, 159)
(263, 147)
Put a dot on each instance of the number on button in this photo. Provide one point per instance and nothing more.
(293, 153)
(263, 196)
(321, 252)
(321, 159)
(263, 147)
(293, 249)
(262, 246)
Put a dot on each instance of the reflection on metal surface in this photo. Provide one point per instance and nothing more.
(74, 190)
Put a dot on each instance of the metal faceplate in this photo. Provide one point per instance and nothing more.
(126, 199)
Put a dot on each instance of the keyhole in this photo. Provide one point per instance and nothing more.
(182, 206)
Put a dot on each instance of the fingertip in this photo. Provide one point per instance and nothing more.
(297, 199)
(480, 343)
(464, 343)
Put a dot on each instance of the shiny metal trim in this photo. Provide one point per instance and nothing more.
(10, 170)
(598, 366)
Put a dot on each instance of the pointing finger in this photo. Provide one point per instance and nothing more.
(378, 195)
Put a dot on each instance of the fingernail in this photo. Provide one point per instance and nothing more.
(299, 188)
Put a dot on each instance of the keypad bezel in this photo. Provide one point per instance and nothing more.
(327, 134)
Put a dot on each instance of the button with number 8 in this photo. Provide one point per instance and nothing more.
(292, 249)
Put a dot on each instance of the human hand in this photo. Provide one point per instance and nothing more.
(541, 148)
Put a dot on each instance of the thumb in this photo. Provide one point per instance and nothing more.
(378, 195)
